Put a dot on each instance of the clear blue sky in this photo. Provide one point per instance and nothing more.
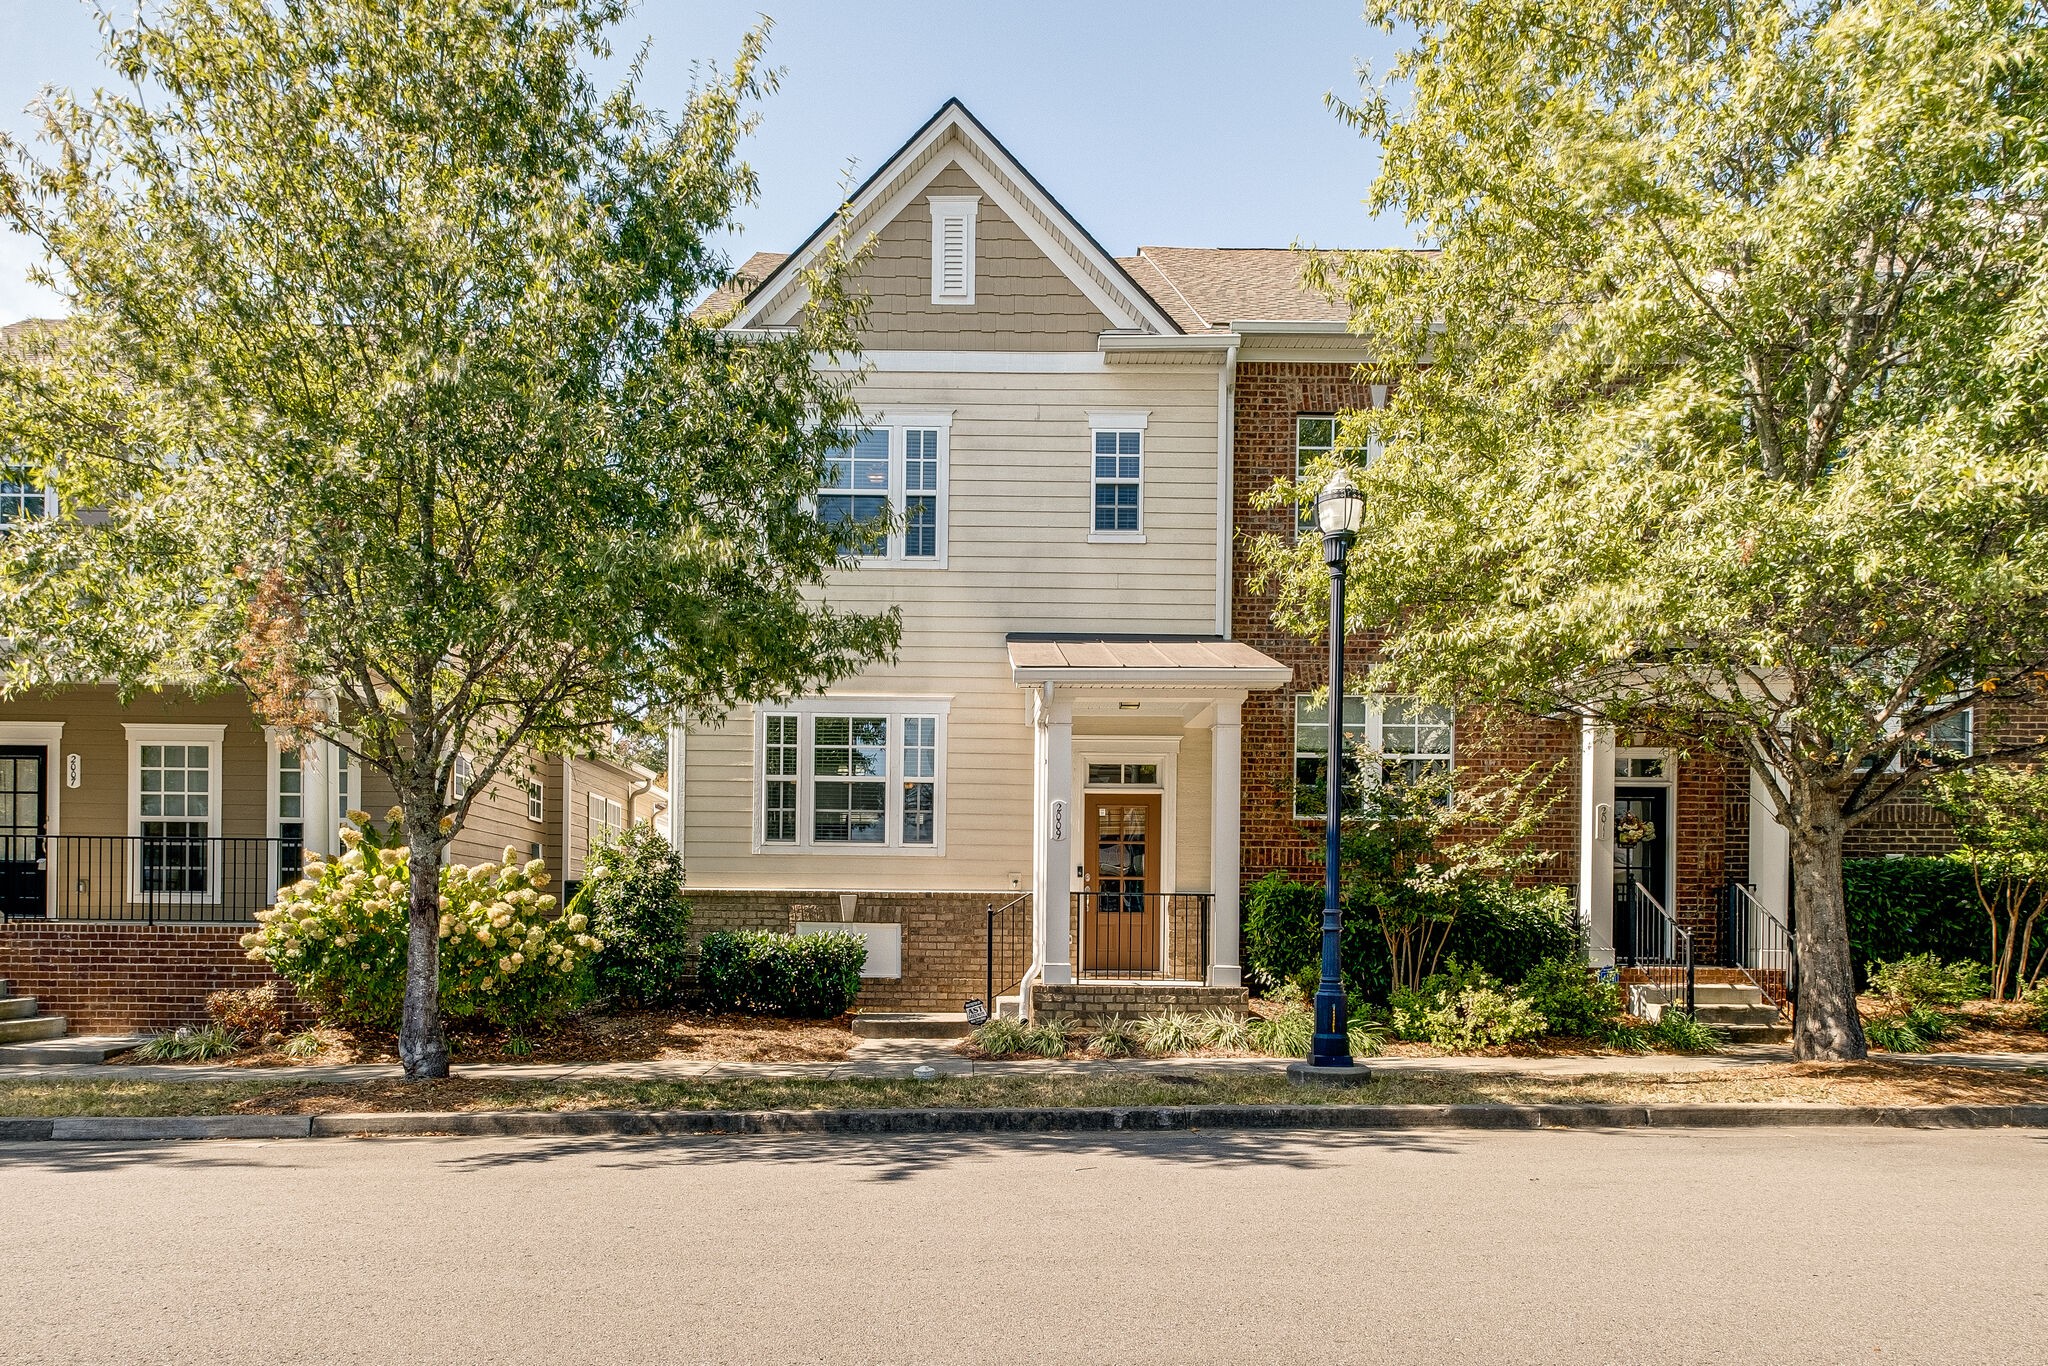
(1180, 122)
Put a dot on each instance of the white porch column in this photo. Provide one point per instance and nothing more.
(316, 795)
(1596, 840)
(1226, 767)
(1770, 849)
(1052, 878)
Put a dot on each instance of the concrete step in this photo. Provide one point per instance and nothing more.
(16, 1007)
(90, 1048)
(1734, 1015)
(32, 1030)
(1758, 1033)
(911, 1024)
(1730, 992)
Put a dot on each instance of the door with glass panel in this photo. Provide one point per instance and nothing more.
(24, 871)
(1120, 929)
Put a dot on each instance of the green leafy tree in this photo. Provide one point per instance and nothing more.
(1719, 401)
(382, 384)
(2001, 816)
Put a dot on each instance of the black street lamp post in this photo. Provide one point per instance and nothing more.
(1339, 509)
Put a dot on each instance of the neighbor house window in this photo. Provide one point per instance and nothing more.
(463, 779)
(1315, 436)
(1952, 737)
(1119, 481)
(885, 491)
(175, 807)
(290, 815)
(23, 495)
(607, 819)
(843, 775)
(536, 809)
(1412, 737)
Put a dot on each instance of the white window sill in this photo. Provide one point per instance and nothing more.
(850, 849)
(1116, 538)
(921, 562)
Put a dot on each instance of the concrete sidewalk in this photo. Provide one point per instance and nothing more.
(889, 1058)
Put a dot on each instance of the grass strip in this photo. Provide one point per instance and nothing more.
(1837, 1084)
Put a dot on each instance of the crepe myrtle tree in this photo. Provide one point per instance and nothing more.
(383, 395)
(1718, 405)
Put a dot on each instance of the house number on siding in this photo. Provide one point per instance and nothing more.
(72, 770)
(1059, 821)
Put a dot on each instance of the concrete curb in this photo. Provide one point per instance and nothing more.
(1157, 1118)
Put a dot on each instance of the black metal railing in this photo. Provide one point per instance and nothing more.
(1649, 940)
(1760, 945)
(1009, 948)
(1141, 935)
(156, 879)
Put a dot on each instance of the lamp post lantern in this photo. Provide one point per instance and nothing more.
(1339, 509)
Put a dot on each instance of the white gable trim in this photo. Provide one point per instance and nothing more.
(954, 138)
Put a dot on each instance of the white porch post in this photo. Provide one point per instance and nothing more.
(1770, 849)
(1596, 840)
(316, 788)
(1226, 763)
(1052, 878)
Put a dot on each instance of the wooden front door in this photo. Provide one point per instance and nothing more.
(24, 878)
(1120, 928)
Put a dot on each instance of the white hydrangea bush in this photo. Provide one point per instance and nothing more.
(510, 955)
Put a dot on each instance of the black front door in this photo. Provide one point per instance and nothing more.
(24, 876)
(1642, 835)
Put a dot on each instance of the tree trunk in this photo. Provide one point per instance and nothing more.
(1825, 1025)
(422, 1043)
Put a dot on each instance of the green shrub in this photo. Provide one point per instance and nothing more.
(1287, 1035)
(1894, 1034)
(1000, 1037)
(812, 976)
(1118, 1038)
(1172, 1031)
(339, 937)
(1626, 1036)
(1462, 1009)
(1922, 979)
(191, 1043)
(2037, 997)
(1048, 1038)
(1505, 930)
(1901, 907)
(253, 1012)
(639, 914)
(1571, 999)
(1681, 1033)
(305, 1044)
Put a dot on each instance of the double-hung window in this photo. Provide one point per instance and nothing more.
(851, 774)
(1117, 476)
(607, 817)
(536, 795)
(290, 816)
(462, 779)
(1411, 737)
(23, 495)
(885, 490)
(174, 808)
(1315, 438)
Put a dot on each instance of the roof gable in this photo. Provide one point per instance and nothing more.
(955, 138)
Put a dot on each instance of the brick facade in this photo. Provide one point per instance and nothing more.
(945, 936)
(116, 978)
(1092, 1004)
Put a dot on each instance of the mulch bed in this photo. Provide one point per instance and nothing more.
(1983, 1027)
(632, 1036)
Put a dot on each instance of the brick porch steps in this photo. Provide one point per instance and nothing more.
(1736, 1006)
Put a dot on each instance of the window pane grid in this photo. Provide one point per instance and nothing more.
(1118, 477)
(849, 789)
(779, 763)
(174, 780)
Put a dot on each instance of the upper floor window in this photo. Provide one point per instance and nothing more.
(850, 774)
(885, 489)
(23, 495)
(1315, 436)
(462, 779)
(536, 809)
(1117, 476)
(953, 247)
(607, 819)
(1410, 736)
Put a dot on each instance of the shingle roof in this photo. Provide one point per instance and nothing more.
(1209, 288)
(745, 281)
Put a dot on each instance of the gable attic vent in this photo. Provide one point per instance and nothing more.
(953, 248)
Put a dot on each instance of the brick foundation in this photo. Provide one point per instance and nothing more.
(116, 978)
(945, 936)
(1090, 1004)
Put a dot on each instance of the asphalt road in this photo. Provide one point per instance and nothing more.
(1767, 1246)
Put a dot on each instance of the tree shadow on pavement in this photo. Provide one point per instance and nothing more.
(898, 1157)
(87, 1158)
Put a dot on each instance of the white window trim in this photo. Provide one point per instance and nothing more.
(896, 424)
(1119, 422)
(536, 796)
(806, 710)
(1375, 733)
(964, 209)
(212, 737)
(49, 512)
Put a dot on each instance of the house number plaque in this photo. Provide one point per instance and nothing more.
(1059, 820)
